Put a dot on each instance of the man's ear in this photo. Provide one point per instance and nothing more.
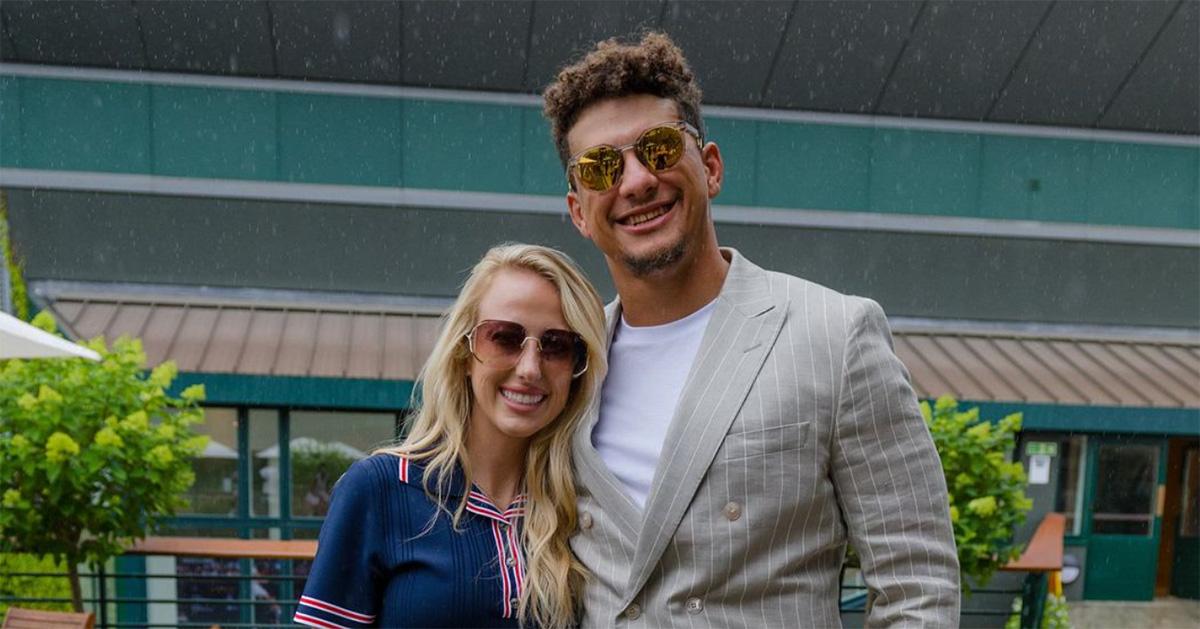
(714, 168)
(575, 207)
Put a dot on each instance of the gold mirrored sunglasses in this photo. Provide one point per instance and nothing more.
(658, 148)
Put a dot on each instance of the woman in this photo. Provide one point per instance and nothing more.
(465, 523)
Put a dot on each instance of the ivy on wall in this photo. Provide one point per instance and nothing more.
(19, 294)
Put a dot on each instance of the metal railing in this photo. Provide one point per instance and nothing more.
(261, 580)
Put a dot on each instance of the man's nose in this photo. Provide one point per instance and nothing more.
(637, 182)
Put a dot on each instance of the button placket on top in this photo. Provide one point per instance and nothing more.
(510, 560)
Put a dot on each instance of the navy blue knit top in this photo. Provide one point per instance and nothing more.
(376, 564)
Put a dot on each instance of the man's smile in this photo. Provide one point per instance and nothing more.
(647, 219)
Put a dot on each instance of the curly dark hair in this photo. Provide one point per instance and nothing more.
(653, 66)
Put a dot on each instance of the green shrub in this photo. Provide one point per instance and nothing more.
(1054, 616)
(33, 587)
(987, 491)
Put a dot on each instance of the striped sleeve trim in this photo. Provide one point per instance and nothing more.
(334, 610)
(312, 621)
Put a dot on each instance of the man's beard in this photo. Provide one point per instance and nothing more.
(659, 260)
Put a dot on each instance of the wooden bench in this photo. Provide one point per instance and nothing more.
(1045, 550)
(225, 547)
(18, 618)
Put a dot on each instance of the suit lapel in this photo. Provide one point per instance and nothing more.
(743, 328)
(591, 472)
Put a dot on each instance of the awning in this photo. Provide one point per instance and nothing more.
(298, 334)
(1052, 364)
(257, 332)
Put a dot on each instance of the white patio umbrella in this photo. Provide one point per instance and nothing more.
(21, 340)
(308, 444)
(217, 450)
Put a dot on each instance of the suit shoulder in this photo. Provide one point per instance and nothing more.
(815, 300)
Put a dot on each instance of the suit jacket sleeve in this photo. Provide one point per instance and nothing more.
(890, 484)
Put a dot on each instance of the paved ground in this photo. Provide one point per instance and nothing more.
(1164, 613)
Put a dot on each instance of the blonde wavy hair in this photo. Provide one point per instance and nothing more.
(437, 437)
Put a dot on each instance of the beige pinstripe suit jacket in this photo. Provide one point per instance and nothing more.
(796, 432)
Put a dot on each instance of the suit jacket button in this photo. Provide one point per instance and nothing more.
(732, 511)
(585, 520)
(694, 605)
(633, 612)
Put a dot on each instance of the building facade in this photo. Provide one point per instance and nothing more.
(287, 225)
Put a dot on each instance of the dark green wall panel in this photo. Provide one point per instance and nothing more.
(462, 146)
(541, 170)
(220, 134)
(423, 251)
(1156, 184)
(737, 141)
(299, 391)
(85, 125)
(1044, 179)
(924, 172)
(10, 122)
(812, 166)
(340, 139)
(364, 140)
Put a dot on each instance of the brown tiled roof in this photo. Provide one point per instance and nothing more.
(269, 339)
(979, 363)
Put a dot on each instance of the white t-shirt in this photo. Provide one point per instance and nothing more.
(647, 368)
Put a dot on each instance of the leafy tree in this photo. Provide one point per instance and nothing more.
(92, 454)
(987, 491)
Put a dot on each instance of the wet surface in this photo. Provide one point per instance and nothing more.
(1164, 613)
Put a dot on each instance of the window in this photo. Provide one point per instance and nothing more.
(1189, 517)
(324, 445)
(1068, 500)
(215, 491)
(264, 456)
(1126, 480)
(234, 497)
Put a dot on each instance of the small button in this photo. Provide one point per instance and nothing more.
(585, 520)
(694, 605)
(513, 603)
(732, 511)
(633, 612)
(510, 561)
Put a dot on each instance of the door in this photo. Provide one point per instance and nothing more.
(1123, 519)
(1185, 578)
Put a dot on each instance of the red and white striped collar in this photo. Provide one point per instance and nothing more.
(412, 472)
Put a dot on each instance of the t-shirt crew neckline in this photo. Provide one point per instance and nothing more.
(635, 333)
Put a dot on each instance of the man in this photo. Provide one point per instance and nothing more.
(752, 422)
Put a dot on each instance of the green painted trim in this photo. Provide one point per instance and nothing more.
(1096, 419)
(419, 143)
(283, 422)
(131, 588)
(299, 391)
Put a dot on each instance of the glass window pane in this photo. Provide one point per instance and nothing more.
(270, 590)
(323, 445)
(264, 458)
(305, 533)
(1069, 497)
(214, 597)
(216, 486)
(1126, 480)
(1189, 518)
